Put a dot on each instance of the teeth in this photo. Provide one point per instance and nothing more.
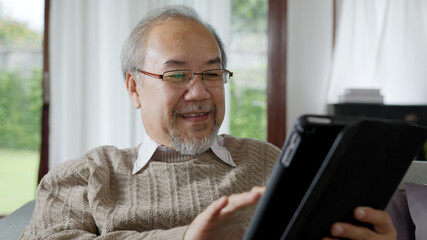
(192, 114)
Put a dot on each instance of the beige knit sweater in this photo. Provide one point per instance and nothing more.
(96, 196)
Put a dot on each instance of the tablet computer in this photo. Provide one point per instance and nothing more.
(328, 166)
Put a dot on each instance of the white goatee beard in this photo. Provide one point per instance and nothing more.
(192, 146)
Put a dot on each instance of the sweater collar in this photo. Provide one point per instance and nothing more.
(148, 147)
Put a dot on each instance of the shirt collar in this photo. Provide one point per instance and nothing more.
(149, 146)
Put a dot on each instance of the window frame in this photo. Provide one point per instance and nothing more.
(277, 69)
(44, 146)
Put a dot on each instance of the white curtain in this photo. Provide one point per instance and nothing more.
(381, 44)
(309, 54)
(89, 105)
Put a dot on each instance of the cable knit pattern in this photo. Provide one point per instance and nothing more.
(96, 196)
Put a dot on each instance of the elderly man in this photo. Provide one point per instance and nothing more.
(184, 181)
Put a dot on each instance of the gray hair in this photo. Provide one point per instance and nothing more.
(133, 50)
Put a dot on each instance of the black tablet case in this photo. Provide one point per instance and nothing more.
(328, 166)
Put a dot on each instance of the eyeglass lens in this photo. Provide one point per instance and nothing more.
(215, 77)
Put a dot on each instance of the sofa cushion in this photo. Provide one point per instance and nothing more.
(13, 225)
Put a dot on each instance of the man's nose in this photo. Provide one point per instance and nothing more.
(197, 90)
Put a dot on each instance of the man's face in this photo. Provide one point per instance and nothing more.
(191, 111)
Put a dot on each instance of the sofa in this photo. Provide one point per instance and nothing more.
(12, 226)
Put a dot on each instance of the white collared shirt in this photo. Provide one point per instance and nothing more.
(149, 146)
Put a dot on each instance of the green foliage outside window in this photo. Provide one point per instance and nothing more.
(20, 110)
(18, 32)
(249, 15)
(248, 107)
(248, 113)
(21, 95)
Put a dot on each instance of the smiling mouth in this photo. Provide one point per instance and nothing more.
(194, 117)
(193, 114)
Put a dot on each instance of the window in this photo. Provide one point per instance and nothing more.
(21, 58)
(248, 61)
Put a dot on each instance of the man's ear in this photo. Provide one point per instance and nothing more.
(132, 90)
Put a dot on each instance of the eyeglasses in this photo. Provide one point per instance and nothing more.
(211, 77)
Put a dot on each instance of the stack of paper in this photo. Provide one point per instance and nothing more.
(357, 95)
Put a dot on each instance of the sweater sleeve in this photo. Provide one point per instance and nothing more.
(64, 209)
(272, 154)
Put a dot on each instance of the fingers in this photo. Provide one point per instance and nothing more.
(350, 231)
(242, 200)
(328, 238)
(205, 220)
(233, 202)
(215, 207)
(225, 217)
(381, 222)
(258, 189)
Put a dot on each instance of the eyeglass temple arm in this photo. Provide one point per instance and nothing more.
(150, 74)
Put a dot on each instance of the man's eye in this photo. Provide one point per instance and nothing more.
(211, 76)
(178, 77)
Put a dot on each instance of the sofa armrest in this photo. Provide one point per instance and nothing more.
(13, 225)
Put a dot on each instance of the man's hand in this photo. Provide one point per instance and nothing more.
(383, 227)
(225, 218)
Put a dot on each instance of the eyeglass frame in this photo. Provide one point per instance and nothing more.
(160, 76)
